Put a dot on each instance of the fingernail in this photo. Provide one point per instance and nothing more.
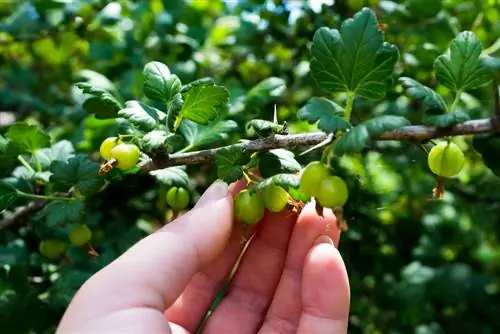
(324, 239)
(215, 192)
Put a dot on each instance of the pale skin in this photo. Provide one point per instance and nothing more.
(291, 278)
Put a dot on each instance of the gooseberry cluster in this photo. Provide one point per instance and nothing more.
(124, 155)
(53, 249)
(249, 206)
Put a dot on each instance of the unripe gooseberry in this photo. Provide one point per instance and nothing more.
(248, 207)
(106, 147)
(275, 198)
(332, 192)
(177, 198)
(127, 155)
(446, 159)
(312, 176)
(80, 234)
(52, 248)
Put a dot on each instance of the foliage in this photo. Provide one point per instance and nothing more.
(175, 77)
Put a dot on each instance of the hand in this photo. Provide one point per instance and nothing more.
(291, 278)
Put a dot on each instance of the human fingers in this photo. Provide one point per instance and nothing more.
(153, 272)
(243, 309)
(325, 291)
(285, 310)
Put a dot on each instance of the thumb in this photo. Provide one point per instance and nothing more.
(155, 271)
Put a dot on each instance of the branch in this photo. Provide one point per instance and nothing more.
(30, 208)
(417, 133)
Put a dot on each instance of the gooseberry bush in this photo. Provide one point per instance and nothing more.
(171, 126)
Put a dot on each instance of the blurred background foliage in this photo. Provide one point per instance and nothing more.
(416, 265)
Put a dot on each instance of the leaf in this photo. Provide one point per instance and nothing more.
(264, 128)
(493, 63)
(60, 151)
(63, 212)
(285, 181)
(430, 99)
(488, 146)
(173, 112)
(462, 69)
(159, 83)
(354, 59)
(102, 103)
(78, 171)
(27, 138)
(199, 136)
(198, 82)
(229, 161)
(172, 176)
(202, 104)
(142, 116)
(327, 112)
(353, 140)
(3, 144)
(8, 195)
(385, 123)
(446, 120)
(153, 140)
(277, 161)
(265, 91)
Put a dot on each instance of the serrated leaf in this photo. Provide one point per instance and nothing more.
(63, 212)
(277, 161)
(142, 116)
(60, 151)
(27, 138)
(200, 136)
(430, 99)
(202, 104)
(198, 82)
(285, 181)
(354, 59)
(462, 69)
(24, 173)
(159, 83)
(353, 140)
(385, 123)
(8, 195)
(327, 113)
(172, 176)
(102, 103)
(445, 120)
(265, 91)
(173, 112)
(153, 140)
(264, 128)
(229, 161)
(78, 171)
(489, 147)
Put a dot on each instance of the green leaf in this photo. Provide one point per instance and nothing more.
(354, 59)
(78, 171)
(27, 138)
(60, 151)
(277, 161)
(159, 83)
(229, 161)
(200, 136)
(430, 99)
(264, 128)
(286, 181)
(493, 63)
(8, 195)
(353, 140)
(446, 120)
(3, 144)
(172, 176)
(462, 69)
(173, 113)
(489, 147)
(153, 140)
(102, 103)
(328, 113)
(385, 123)
(265, 91)
(202, 104)
(142, 116)
(198, 82)
(63, 212)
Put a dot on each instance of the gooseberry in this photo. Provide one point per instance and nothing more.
(275, 198)
(332, 192)
(312, 176)
(446, 159)
(52, 248)
(80, 235)
(248, 207)
(127, 155)
(177, 198)
(106, 147)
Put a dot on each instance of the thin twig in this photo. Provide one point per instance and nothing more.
(416, 133)
(30, 208)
